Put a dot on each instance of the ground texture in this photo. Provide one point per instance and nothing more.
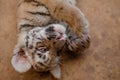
(100, 62)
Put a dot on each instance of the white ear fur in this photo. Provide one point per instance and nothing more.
(56, 72)
(20, 63)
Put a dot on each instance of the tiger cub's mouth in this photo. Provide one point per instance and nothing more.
(61, 37)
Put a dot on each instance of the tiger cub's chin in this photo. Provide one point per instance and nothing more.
(56, 31)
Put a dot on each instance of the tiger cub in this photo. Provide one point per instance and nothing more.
(34, 19)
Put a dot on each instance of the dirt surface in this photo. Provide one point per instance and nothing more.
(100, 62)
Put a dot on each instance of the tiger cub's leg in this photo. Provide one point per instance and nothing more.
(76, 20)
(61, 10)
(78, 45)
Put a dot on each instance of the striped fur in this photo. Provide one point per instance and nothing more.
(35, 47)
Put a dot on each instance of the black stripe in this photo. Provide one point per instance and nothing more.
(42, 64)
(28, 19)
(38, 13)
(38, 3)
(27, 25)
(28, 0)
(55, 10)
(27, 40)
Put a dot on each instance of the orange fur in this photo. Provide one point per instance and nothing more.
(68, 13)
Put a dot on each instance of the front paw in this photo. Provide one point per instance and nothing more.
(78, 44)
(72, 46)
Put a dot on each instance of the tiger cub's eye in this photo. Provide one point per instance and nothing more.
(43, 49)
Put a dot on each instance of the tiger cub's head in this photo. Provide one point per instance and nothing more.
(40, 50)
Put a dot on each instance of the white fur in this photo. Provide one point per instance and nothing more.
(60, 29)
(22, 39)
(73, 2)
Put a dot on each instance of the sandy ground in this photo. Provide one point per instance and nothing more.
(100, 62)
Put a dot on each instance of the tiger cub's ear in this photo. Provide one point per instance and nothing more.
(56, 72)
(20, 61)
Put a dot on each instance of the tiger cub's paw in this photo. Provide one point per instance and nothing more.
(78, 44)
